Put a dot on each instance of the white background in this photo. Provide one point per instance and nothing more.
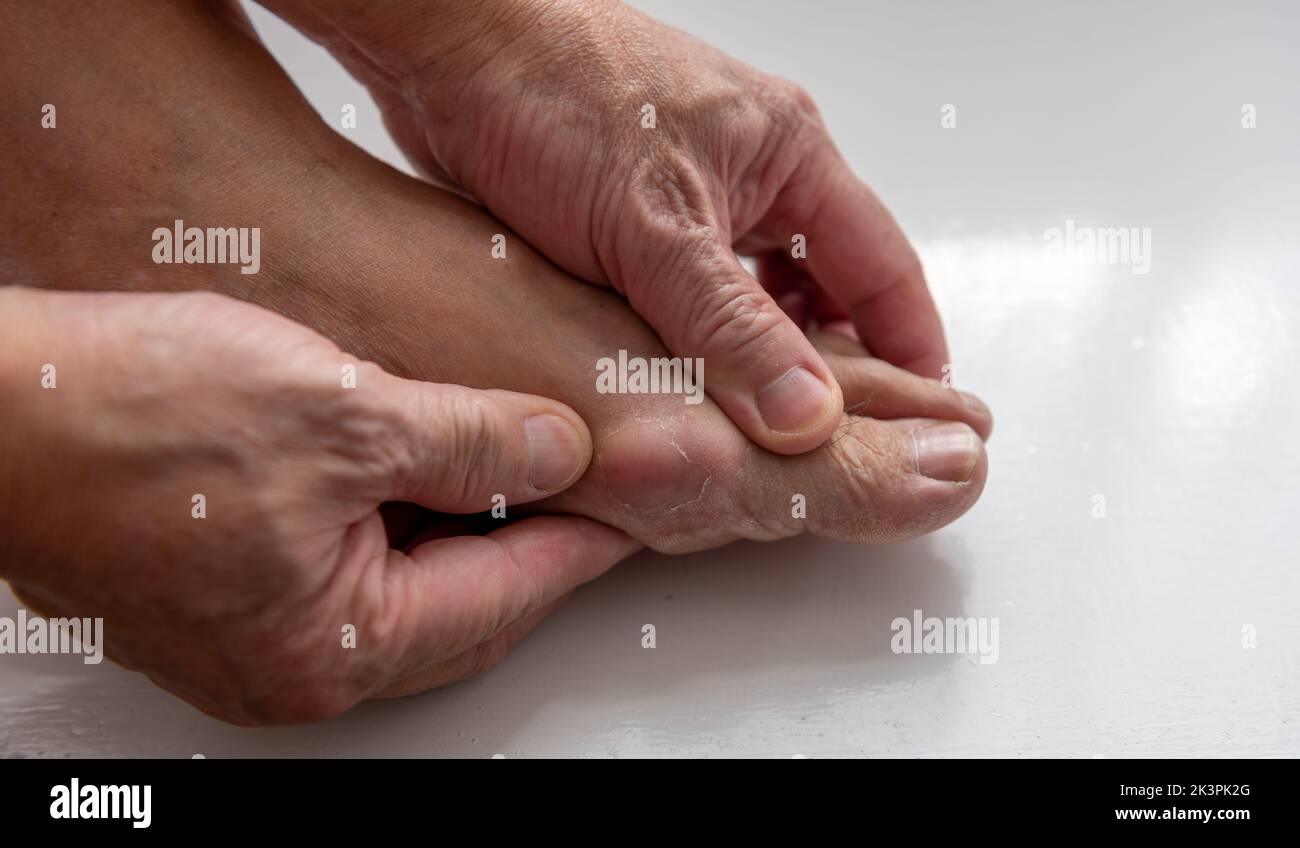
(1172, 394)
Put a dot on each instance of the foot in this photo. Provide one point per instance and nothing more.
(907, 457)
(399, 272)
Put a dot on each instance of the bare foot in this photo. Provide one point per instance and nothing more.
(402, 273)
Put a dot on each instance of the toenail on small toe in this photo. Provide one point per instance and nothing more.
(793, 402)
(946, 451)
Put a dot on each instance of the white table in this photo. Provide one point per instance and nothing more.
(1172, 394)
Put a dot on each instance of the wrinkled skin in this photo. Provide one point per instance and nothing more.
(238, 600)
(402, 274)
(538, 110)
(399, 273)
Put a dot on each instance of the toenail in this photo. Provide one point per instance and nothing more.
(554, 451)
(793, 402)
(946, 451)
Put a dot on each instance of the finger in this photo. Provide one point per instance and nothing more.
(846, 330)
(781, 275)
(470, 445)
(473, 662)
(452, 594)
(858, 253)
(839, 338)
(787, 285)
(761, 368)
(876, 389)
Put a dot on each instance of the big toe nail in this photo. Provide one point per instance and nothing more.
(946, 451)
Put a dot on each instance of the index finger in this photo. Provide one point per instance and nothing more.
(860, 256)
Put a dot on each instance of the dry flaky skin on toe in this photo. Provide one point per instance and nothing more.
(400, 273)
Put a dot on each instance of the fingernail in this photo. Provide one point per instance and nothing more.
(554, 451)
(946, 451)
(973, 402)
(794, 402)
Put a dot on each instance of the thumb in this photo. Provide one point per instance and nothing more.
(451, 595)
(761, 368)
(470, 445)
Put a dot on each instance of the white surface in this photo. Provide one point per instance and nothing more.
(1172, 394)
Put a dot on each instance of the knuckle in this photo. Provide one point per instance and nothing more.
(366, 430)
(519, 587)
(668, 237)
(733, 319)
(469, 443)
(793, 111)
(797, 102)
(670, 196)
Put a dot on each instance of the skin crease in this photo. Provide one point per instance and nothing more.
(401, 274)
(241, 619)
(491, 96)
(182, 115)
(242, 613)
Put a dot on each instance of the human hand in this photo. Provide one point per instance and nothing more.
(201, 476)
(539, 110)
(400, 273)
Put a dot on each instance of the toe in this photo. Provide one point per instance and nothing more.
(886, 481)
(876, 389)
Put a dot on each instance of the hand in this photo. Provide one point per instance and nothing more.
(539, 111)
(201, 477)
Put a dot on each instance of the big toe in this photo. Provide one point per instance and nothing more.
(886, 481)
